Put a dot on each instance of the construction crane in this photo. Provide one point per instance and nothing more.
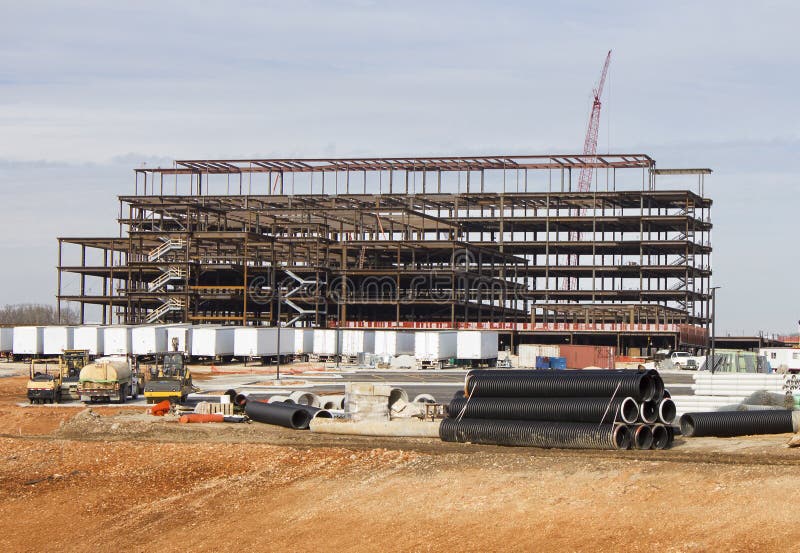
(589, 149)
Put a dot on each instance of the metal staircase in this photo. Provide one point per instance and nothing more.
(301, 285)
(170, 305)
(169, 245)
(170, 273)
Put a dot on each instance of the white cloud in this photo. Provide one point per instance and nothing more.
(699, 84)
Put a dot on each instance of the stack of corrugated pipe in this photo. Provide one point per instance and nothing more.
(587, 409)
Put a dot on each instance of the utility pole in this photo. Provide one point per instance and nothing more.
(713, 325)
(278, 345)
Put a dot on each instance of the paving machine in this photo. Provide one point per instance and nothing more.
(168, 379)
(44, 383)
(71, 361)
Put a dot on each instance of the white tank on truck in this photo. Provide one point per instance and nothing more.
(107, 379)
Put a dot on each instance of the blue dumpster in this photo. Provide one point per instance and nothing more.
(558, 363)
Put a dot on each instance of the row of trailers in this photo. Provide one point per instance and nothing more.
(429, 348)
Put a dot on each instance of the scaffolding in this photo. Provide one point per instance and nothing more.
(450, 240)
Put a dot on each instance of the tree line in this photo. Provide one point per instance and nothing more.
(36, 314)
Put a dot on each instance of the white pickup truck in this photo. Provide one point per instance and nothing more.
(680, 360)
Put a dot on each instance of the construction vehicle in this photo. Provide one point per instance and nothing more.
(44, 383)
(71, 361)
(108, 379)
(168, 379)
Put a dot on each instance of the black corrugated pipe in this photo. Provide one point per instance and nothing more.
(667, 411)
(658, 382)
(671, 431)
(569, 409)
(231, 394)
(661, 436)
(279, 413)
(736, 423)
(459, 393)
(648, 412)
(527, 383)
(667, 395)
(641, 436)
(240, 400)
(566, 435)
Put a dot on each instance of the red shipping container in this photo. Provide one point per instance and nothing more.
(582, 357)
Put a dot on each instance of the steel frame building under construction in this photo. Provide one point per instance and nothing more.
(479, 242)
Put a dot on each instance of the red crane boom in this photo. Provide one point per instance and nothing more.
(590, 144)
(589, 149)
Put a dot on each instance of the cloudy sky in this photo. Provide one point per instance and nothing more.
(88, 91)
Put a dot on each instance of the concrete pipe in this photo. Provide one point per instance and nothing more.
(397, 428)
(332, 402)
(305, 398)
(424, 398)
(279, 399)
(316, 412)
(397, 394)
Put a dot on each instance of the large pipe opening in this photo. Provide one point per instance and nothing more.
(629, 410)
(642, 437)
(667, 411)
(660, 436)
(621, 437)
(649, 412)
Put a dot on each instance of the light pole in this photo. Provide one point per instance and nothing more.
(713, 325)
(278, 344)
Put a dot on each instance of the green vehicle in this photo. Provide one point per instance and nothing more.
(734, 361)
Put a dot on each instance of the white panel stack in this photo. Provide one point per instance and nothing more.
(6, 338)
(477, 344)
(529, 352)
(736, 384)
(435, 345)
(325, 342)
(28, 340)
(394, 342)
(262, 341)
(147, 340)
(57, 339)
(212, 341)
(184, 335)
(89, 338)
(117, 340)
(303, 341)
(354, 342)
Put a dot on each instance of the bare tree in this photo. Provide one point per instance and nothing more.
(36, 314)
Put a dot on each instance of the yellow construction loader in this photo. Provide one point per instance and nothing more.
(71, 361)
(44, 382)
(169, 379)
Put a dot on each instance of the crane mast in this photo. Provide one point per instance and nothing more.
(589, 149)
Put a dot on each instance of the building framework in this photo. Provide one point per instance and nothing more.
(405, 241)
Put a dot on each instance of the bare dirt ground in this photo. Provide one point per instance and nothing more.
(116, 479)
